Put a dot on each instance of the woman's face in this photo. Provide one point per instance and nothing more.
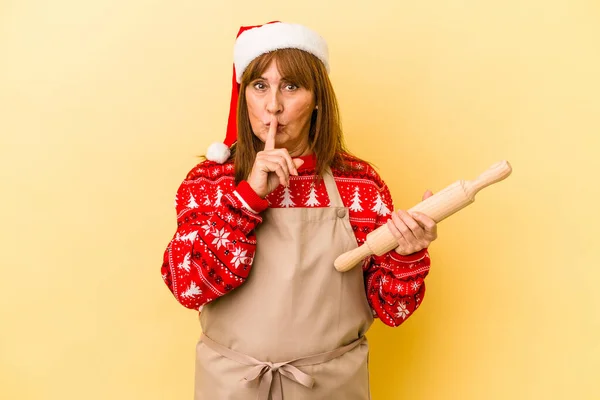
(271, 97)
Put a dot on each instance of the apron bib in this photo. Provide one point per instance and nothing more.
(295, 329)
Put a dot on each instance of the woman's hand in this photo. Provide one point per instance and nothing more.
(413, 232)
(272, 166)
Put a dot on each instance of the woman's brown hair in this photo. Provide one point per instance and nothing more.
(325, 135)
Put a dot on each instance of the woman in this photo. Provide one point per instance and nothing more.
(259, 228)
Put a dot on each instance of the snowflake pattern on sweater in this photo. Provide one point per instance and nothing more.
(213, 247)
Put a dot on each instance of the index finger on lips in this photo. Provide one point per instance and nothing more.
(270, 141)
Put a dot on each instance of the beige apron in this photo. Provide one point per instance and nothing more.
(295, 329)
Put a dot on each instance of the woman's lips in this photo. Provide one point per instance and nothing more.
(279, 127)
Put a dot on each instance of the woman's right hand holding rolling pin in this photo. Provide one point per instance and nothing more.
(413, 231)
(272, 166)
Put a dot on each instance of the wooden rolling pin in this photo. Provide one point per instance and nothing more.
(437, 207)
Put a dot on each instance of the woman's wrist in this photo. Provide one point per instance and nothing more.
(248, 195)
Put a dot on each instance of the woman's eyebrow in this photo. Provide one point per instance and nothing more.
(283, 79)
(261, 78)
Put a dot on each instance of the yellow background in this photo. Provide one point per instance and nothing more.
(105, 104)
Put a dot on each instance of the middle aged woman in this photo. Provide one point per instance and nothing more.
(261, 222)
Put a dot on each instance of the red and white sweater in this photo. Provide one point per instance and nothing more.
(212, 250)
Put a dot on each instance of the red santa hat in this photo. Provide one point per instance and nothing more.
(252, 42)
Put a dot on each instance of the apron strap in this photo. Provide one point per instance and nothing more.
(332, 190)
(268, 375)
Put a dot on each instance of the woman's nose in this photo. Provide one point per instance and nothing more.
(274, 104)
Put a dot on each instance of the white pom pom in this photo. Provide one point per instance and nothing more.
(218, 152)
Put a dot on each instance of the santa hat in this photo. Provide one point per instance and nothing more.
(252, 42)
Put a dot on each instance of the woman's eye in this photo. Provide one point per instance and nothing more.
(291, 87)
(259, 86)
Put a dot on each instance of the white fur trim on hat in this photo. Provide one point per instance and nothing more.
(218, 152)
(258, 41)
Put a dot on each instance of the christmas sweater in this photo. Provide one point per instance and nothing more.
(213, 247)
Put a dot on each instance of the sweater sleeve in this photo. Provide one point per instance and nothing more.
(394, 283)
(213, 247)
